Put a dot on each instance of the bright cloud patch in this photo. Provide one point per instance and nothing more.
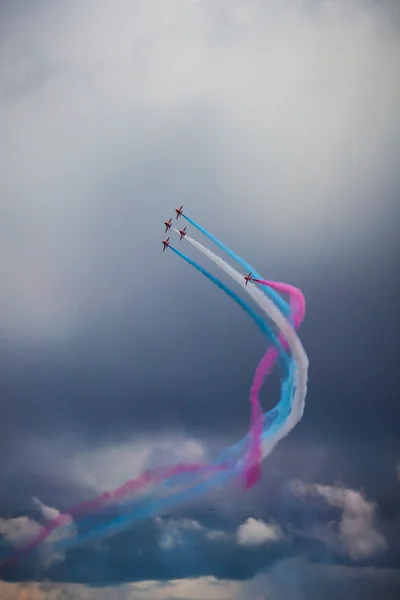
(19, 530)
(356, 534)
(255, 532)
(108, 467)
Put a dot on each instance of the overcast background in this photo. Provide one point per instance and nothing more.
(277, 125)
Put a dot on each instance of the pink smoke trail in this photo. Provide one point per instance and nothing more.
(252, 471)
(134, 485)
(253, 461)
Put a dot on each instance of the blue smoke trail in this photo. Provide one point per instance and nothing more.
(272, 420)
(266, 330)
(156, 506)
(153, 507)
(120, 523)
(275, 297)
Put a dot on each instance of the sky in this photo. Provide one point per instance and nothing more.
(276, 125)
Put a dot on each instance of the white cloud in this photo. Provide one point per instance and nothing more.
(357, 534)
(48, 512)
(109, 466)
(174, 532)
(191, 525)
(20, 530)
(217, 535)
(255, 532)
(68, 528)
(252, 533)
(200, 588)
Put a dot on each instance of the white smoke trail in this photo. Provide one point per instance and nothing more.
(301, 368)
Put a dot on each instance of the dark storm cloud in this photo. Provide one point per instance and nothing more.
(297, 580)
(278, 129)
(161, 553)
(339, 526)
(78, 286)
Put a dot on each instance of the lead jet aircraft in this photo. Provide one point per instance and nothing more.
(179, 211)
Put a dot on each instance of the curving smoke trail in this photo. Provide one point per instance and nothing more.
(265, 328)
(230, 457)
(287, 331)
(253, 470)
(146, 479)
(197, 479)
(282, 305)
(298, 307)
(158, 475)
(292, 402)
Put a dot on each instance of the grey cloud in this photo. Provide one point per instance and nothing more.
(287, 580)
(296, 579)
(199, 543)
(276, 124)
(94, 171)
(356, 532)
(145, 78)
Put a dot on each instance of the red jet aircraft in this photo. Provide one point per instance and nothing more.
(248, 278)
(166, 243)
(182, 233)
(179, 211)
(167, 225)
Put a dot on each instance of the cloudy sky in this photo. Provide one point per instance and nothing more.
(276, 124)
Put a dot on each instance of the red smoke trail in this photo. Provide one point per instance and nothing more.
(134, 485)
(252, 472)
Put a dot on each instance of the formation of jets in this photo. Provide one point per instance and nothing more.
(168, 225)
(182, 233)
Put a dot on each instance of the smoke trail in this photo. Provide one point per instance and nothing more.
(253, 466)
(269, 440)
(153, 508)
(134, 485)
(301, 370)
(252, 472)
(268, 332)
(297, 304)
(282, 305)
(155, 476)
(261, 324)
(231, 453)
